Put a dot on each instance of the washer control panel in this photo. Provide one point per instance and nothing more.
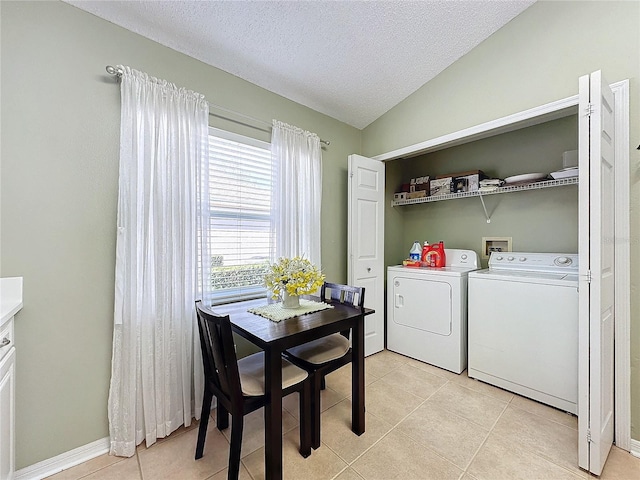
(535, 262)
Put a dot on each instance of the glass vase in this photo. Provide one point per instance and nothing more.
(290, 301)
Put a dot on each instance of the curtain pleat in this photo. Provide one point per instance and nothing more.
(297, 192)
(157, 380)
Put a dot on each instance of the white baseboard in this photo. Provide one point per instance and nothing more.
(635, 448)
(64, 460)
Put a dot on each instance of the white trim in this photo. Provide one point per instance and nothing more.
(236, 137)
(64, 461)
(622, 269)
(635, 448)
(545, 113)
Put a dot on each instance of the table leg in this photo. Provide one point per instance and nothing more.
(273, 416)
(357, 372)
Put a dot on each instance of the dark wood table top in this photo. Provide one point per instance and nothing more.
(290, 332)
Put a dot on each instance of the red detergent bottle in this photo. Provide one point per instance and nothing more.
(435, 256)
(425, 251)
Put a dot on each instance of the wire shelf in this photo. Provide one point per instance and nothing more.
(506, 189)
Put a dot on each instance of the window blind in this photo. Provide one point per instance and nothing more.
(240, 236)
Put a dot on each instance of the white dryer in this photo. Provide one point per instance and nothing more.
(427, 311)
(523, 326)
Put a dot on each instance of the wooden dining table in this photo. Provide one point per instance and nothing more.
(276, 337)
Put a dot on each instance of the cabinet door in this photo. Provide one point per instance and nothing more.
(366, 242)
(7, 415)
(596, 232)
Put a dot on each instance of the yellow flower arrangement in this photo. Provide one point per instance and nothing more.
(296, 276)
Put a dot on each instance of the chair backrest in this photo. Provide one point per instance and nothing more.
(219, 353)
(346, 294)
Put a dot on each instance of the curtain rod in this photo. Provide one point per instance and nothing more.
(118, 73)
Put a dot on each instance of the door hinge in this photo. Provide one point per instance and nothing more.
(588, 109)
(589, 436)
(589, 276)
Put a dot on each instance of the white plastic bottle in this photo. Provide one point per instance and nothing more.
(416, 251)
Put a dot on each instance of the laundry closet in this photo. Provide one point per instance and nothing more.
(585, 216)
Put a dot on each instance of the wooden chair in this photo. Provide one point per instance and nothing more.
(325, 355)
(238, 386)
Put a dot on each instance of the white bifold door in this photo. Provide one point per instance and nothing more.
(366, 242)
(596, 249)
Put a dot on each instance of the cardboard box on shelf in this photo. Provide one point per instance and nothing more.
(441, 186)
(465, 181)
(400, 195)
(418, 194)
(419, 184)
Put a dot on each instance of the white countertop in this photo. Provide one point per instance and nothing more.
(10, 298)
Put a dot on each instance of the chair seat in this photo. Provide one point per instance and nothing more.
(322, 350)
(251, 371)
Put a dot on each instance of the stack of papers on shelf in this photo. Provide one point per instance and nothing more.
(490, 185)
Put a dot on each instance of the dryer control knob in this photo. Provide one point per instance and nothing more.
(499, 257)
(522, 259)
(511, 259)
(563, 261)
(463, 256)
(396, 283)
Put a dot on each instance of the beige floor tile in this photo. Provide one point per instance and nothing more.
(413, 380)
(432, 369)
(223, 475)
(455, 438)
(621, 465)
(253, 431)
(470, 404)
(340, 380)
(399, 457)
(174, 458)
(87, 467)
(525, 431)
(337, 435)
(328, 398)
(388, 403)
(545, 411)
(497, 460)
(473, 384)
(128, 469)
(383, 363)
(322, 464)
(348, 474)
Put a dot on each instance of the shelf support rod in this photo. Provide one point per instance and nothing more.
(485, 208)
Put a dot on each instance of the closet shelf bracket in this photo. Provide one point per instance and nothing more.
(485, 208)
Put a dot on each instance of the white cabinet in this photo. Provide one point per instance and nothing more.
(10, 304)
(7, 413)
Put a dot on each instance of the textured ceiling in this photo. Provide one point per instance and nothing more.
(351, 60)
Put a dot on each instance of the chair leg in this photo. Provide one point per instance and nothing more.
(204, 421)
(222, 417)
(237, 424)
(323, 383)
(315, 410)
(306, 418)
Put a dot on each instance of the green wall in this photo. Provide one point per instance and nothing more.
(60, 140)
(528, 217)
(533, 60)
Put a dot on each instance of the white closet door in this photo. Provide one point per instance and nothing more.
(366, 242)
(596, 231)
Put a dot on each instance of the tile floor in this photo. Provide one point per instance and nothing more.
(421, 423)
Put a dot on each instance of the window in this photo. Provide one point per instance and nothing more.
(240, 215)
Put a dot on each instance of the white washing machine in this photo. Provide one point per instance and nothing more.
(427, 311)
(523, 326)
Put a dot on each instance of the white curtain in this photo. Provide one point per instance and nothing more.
(297, 187)
(156, 377)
